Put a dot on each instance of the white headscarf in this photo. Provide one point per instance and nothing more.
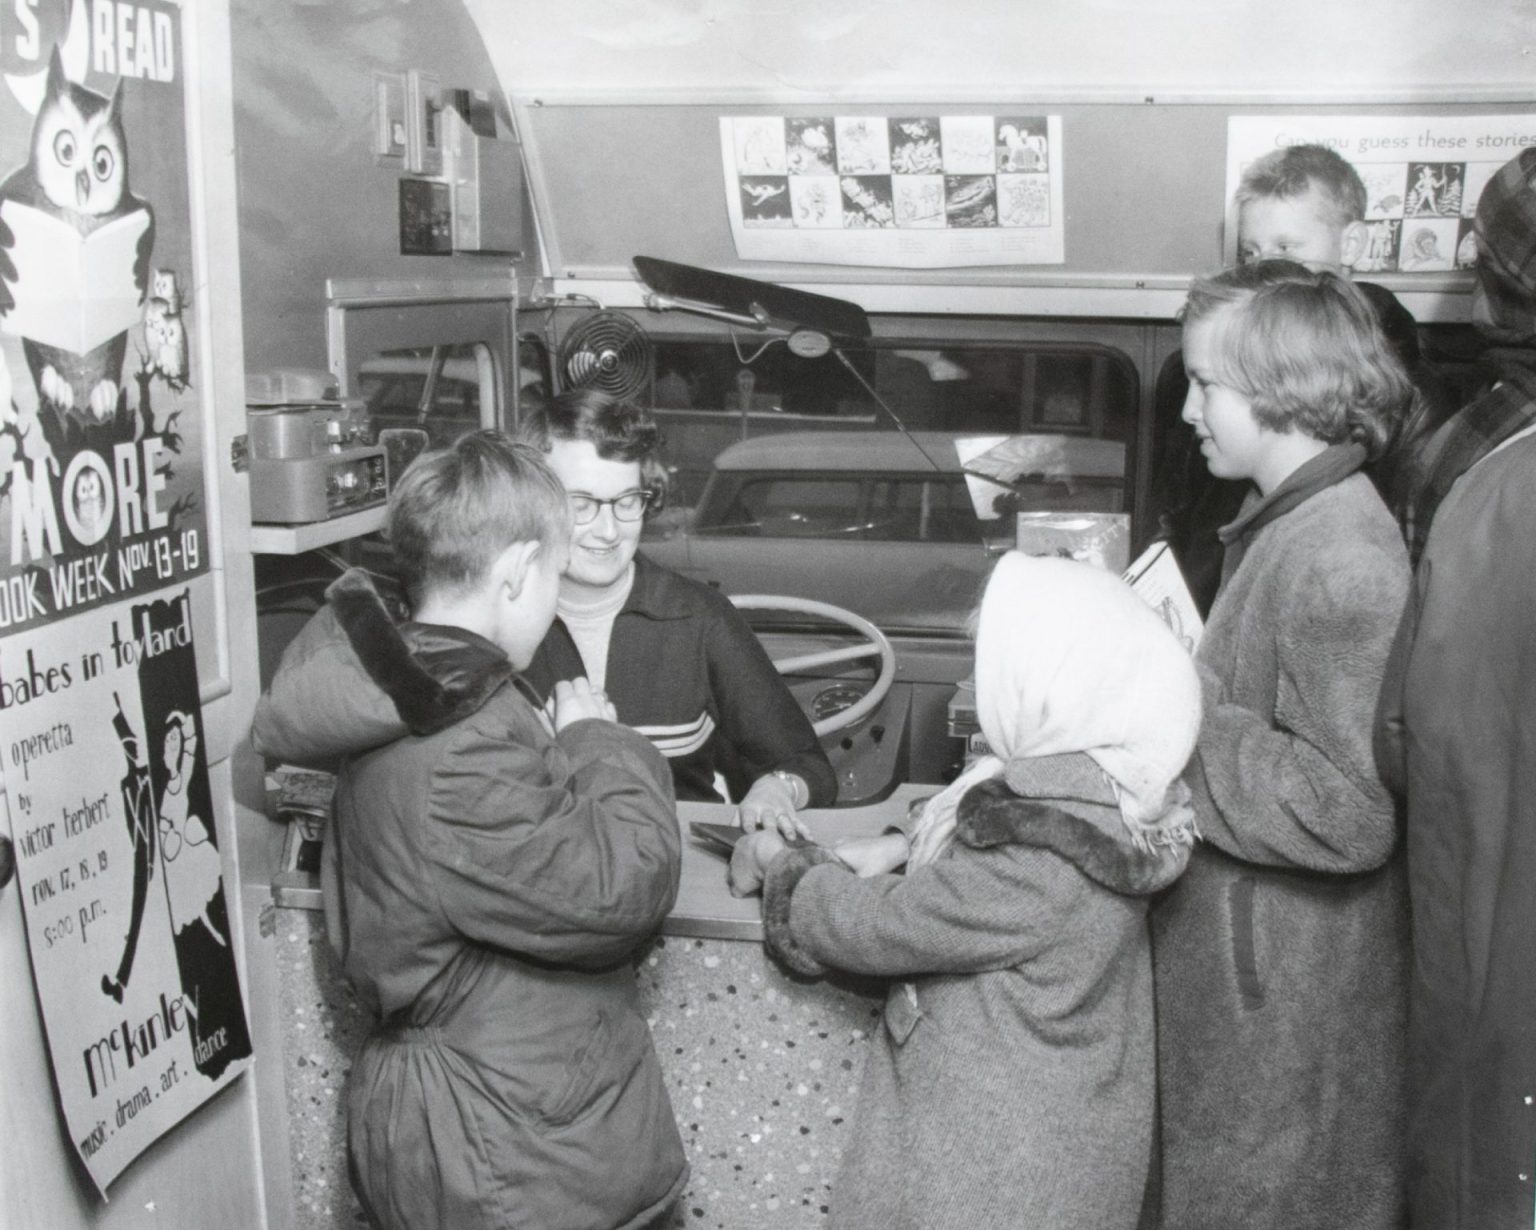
(1069, 659)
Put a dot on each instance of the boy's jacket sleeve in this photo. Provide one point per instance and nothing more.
(561, 857)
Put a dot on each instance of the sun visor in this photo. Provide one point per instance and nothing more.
(763, 302)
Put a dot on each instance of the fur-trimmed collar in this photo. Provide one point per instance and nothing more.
(435, 675)
(991, 814)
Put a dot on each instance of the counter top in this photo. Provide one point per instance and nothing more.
(705, 907)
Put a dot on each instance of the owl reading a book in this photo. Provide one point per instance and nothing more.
(75, 246)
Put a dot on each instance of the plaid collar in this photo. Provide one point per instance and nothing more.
(1504, 310)
(1464, 440)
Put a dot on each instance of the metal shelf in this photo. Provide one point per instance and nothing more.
(292, 539)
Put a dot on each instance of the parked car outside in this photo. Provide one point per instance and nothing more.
(878, 522)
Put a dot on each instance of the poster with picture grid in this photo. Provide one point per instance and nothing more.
(1422, 176)
(909, 191)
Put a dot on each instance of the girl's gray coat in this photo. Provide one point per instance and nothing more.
(1015, 1087)
(1281, 956)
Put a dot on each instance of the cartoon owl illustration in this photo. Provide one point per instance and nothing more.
(165, 332)
(162, 286)
(69, 214)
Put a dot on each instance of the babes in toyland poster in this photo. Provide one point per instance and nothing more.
(100, 417)
(117, 863)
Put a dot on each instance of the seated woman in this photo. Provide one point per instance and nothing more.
(676, 659)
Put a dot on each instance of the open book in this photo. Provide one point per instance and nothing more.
(72, 291)
(1156, 578)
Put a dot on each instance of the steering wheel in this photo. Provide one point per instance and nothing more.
(874, 642)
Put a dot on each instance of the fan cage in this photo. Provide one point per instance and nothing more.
(607, 351)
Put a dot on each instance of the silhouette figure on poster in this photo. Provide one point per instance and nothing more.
(188, 857)
(188, 847)
(138, 808)
(169, 804)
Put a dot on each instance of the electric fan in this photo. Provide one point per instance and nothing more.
(607, 351)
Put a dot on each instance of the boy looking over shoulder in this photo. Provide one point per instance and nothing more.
(486, 880)
(1306, 204)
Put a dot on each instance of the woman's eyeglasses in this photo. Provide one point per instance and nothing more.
(630, 506)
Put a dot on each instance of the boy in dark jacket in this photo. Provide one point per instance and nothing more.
(487, 880)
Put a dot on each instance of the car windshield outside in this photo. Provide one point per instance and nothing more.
(790, 478)
(881, 523)
(439, 389)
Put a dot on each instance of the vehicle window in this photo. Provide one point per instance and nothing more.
(790, 477)
(921, 510)
(533, 382)
(714, 376)
(443, 391)
(791, 508)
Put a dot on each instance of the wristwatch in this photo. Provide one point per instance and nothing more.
(799, 792)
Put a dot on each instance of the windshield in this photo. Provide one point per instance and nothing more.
(790, 476)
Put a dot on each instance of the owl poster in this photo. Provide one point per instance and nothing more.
(119, 872)
(101, 414)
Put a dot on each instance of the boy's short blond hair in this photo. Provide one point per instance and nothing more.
(1294, 171)
(457, 509)
(1305, 349)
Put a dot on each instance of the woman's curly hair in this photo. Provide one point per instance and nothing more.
(618, 430)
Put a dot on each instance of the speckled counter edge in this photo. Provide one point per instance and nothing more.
(763, 1071)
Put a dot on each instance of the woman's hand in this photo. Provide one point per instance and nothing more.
(770, 804)
(749, 861)
(873, 856)
(576, 700)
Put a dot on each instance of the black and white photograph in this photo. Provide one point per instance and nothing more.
(679, 615)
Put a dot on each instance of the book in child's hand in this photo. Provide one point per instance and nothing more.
(71, 290)
(1156, 578)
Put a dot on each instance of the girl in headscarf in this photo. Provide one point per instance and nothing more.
(1012, 1084)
